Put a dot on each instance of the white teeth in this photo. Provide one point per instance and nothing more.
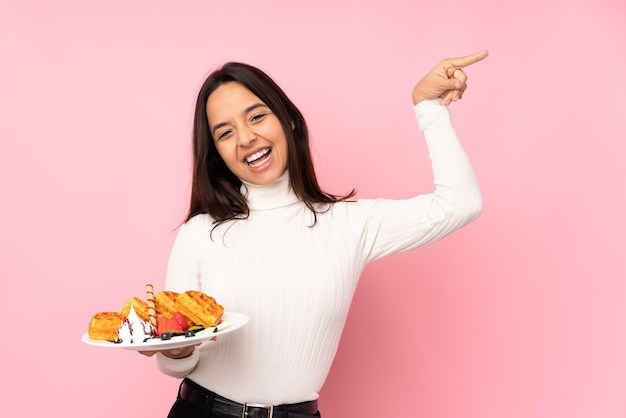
(257, 155)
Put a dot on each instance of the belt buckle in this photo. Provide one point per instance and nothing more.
(270, 409)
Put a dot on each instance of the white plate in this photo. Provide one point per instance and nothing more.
(234, 320)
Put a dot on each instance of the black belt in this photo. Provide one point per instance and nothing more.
(193, 393)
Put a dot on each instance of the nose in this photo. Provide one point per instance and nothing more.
(246, 136)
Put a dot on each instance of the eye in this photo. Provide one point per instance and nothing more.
(258, 117)
(223, 135)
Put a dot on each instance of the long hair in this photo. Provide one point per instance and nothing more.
(215, 190)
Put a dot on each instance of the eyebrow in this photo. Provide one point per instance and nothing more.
(246, 110)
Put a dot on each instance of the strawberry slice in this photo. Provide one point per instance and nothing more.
(162, 324)
(177, 323)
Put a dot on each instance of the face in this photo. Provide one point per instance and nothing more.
(248, 136)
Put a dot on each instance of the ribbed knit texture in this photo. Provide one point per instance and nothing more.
(296, 281)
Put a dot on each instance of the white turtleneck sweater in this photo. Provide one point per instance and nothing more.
(296, 281)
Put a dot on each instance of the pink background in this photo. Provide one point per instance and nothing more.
(521, 314)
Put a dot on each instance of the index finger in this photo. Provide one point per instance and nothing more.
(461, 62)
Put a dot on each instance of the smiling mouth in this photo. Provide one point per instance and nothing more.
(259, 158)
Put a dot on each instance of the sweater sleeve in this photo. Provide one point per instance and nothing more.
(178, 368)
(395, 226)
(183, 273)
(185, 263)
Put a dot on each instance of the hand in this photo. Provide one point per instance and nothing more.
(181, 352)
(446, 80)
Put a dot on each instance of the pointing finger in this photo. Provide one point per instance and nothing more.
(461, 62)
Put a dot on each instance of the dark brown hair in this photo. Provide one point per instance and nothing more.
(215, 190)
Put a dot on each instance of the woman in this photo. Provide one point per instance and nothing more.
(264, 239)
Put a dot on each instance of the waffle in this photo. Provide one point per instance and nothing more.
(165, 303)
(141, 308)
(199, 308)
(104, 325)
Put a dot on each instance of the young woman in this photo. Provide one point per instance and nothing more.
(264, 239)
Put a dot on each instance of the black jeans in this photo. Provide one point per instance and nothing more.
(184, 409)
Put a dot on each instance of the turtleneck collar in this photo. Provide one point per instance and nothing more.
(276, 195)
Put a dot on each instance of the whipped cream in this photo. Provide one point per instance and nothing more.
(133, 330)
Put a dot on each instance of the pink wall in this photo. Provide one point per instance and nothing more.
(522, 314)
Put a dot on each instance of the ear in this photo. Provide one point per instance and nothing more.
(293, 126)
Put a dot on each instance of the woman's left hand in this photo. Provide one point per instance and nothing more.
(447, 80)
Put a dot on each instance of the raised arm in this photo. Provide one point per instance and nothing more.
(400, 225)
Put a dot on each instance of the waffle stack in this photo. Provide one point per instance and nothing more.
(197, 308)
